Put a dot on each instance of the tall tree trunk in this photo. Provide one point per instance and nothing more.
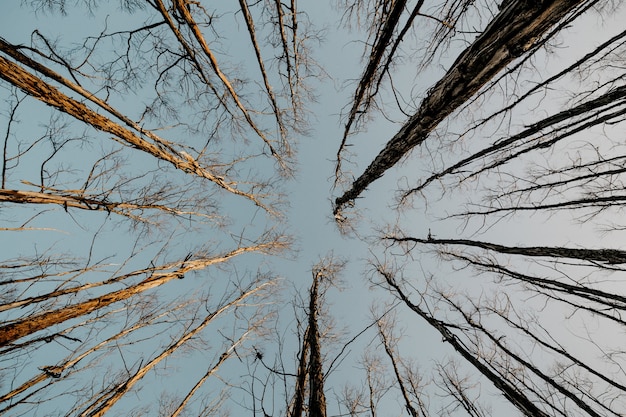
(317, 400)
(29, 325)
(515, 30)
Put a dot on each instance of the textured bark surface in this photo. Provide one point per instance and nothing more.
(29, 325)
(41, 90)
(23, 327)
(609, 256)
(317, 400)
(518, 26)
(373, 64)
(297, 404)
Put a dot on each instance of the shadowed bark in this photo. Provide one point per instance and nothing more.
(317, 399)
(300, 389)
(510, 391)
(511, 33)
(26, 326)
(597, 108)
(386, 32)
(608, 256)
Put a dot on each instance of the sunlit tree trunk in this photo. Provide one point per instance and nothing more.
(102, 404)
(24, 327)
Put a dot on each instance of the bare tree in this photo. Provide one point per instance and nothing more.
(122, 150)
(144, 172)
(504, 231)
(517, 29)
(303, 387)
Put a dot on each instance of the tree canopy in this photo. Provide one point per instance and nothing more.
(356, 207)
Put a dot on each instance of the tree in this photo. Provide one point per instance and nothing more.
(472, 135)
(518, 29)
(144, 193)
(150, 158)
(303, 387)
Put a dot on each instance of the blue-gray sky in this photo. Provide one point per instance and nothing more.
(308, 217)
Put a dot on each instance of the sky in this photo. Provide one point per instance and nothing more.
(309, 216)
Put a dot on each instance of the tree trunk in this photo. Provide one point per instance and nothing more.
(518, 26)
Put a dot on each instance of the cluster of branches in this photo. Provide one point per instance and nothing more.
(497, 304)
(152, 180)
(388, 25)
(301, 389)
(138, 139)
(517, 30)
(300, 382)
(533, 364)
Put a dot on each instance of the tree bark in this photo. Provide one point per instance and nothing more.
(317, 400)
(29, 325)
(512, 32)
